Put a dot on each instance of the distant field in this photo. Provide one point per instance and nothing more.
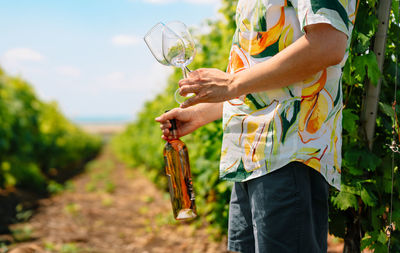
(103, 129)
(103, 125)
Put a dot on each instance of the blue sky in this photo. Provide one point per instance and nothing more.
(89, 55)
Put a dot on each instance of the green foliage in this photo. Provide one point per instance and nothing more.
(366, 175)
(37, 143)
(366, 66)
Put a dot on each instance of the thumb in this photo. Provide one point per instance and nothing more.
(166, 116)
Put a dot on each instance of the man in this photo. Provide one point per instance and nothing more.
(281, 104)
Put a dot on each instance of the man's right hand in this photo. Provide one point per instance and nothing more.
(188, 119)
(186, 122)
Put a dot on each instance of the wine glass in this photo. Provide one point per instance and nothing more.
(178, 49)
(172, 44)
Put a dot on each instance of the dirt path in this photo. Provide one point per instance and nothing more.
(111, 209)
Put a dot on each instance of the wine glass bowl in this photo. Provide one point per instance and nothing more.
(179, 50)
(181, 30)
(172, 44)
(173, 48)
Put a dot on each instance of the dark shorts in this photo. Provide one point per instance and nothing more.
(285, 211)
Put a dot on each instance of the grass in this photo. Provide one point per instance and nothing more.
(144, 210)
(147, 199)
(107, 201)
(100, 180)
(162, 219)
(22, 234)
(91, 186)
(69, 248)
(72, 209)
(62, 248)
(21, 214)
(109, 186)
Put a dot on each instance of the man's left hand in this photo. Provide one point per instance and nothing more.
(208, 85)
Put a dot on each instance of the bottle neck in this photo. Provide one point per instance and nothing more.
(174, 134)
(173, 129)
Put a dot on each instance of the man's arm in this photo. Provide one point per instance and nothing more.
(322, 46)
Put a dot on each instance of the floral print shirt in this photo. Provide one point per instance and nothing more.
(264, 131)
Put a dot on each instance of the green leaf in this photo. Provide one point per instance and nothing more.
(366, 241)
(369, 161)
(350, 189)
(345, 200)
(351, 160)
(368, 197)
(363, 42)
(386, 109)
(367, 65)
(350, 122)
(382, 237)
(359, 68)
(395, 10)
(373, 70)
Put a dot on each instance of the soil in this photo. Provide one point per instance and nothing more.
(111, 208)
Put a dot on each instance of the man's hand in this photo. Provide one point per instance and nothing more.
(209, 85)
(188, 119)
(186, 122)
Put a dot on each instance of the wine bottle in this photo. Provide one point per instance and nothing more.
(177, 169)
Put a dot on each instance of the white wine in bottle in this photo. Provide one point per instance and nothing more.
(177, 169)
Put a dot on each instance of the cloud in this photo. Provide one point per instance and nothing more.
(21, 60)
(125, 40)
(22, 54)
(115, 76)
(69, 71)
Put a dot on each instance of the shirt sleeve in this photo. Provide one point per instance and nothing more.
(338, 13)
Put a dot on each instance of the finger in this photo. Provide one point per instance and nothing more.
(166, 116)
(165, 125)
(159, 118)
(163, 128)
(166, 132)
(194, 73)
(191, 101)
(186, 82)
(167, 137)
(184, 90)
(191, 80)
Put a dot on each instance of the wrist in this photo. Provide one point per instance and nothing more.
(207, 112)
(236, 86)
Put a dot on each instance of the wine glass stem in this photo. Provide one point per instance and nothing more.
(184, 72)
